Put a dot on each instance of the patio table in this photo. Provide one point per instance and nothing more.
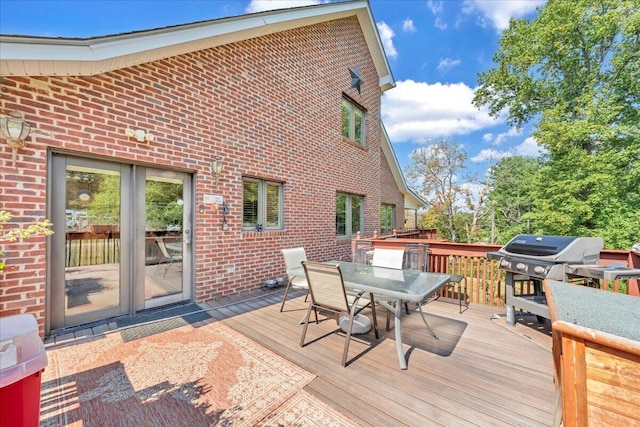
(393, 287)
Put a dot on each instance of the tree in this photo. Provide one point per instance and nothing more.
(476, 195)
(511, 199)
(104, 207)
(575, 71)
(164, 205)
(436, 167)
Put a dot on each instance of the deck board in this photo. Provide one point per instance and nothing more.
(478, 373)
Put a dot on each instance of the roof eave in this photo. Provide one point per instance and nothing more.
(28, 56)
(412, 200)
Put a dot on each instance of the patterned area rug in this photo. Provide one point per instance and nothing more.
(195, 375)
(304, 410)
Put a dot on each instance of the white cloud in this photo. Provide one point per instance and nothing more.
(408, 27)
(500, 12)
(490, 155)
(416, 111)
(487, 137)
(440, 24)
(446, 64)
(387, 35)
(501, 137)
(262, 5)
(435, 6)
(529, 148)
(508, 134)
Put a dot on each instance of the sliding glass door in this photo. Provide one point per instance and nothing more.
(121, 242)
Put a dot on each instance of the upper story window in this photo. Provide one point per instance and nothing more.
(261, 204)
(387, 219)
(349, 214)
(353, 121)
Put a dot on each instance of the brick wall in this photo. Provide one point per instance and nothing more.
(269, 107)
(389, 192)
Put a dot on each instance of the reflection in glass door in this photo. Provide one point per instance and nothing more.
(167, 236)
(87, 257)
(121, 240)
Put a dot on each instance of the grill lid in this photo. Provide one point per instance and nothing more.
(559, 249)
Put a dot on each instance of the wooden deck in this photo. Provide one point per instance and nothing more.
(479, 372)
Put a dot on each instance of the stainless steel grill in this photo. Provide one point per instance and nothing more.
(545, 257)
(535, 257)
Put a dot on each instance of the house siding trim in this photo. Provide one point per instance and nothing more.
(24, 56)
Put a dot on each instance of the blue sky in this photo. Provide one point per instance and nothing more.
(435, 50)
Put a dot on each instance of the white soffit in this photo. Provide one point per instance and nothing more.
(24, 56)
(411, 199)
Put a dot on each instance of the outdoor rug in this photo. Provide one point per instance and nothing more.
(304, 410)
(195, 375)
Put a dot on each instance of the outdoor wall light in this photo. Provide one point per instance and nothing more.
(140, 135)
(15, 130)
(216, 168)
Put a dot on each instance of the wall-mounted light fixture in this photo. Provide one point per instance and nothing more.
(15, 130)
(216, 168)
(140, 135)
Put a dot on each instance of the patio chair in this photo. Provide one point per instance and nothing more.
(416, 256)
(327, 291)
(362, 250)
(168, 257)
(389, 258)
(292, 259)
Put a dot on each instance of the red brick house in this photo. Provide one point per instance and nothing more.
(125, 131)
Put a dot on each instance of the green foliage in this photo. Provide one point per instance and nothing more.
(162, 207)
(511, 199)
(104, 209)
(15, 234)
(575, 70)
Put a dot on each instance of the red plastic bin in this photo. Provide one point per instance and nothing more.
(22, 360)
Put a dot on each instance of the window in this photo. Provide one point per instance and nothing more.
(349, 214)
(352, 121)
(261, 204)
(387, 219)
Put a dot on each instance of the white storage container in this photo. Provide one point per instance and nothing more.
(21, 349)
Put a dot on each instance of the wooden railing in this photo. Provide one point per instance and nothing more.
(84, 248)
(485, 281)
